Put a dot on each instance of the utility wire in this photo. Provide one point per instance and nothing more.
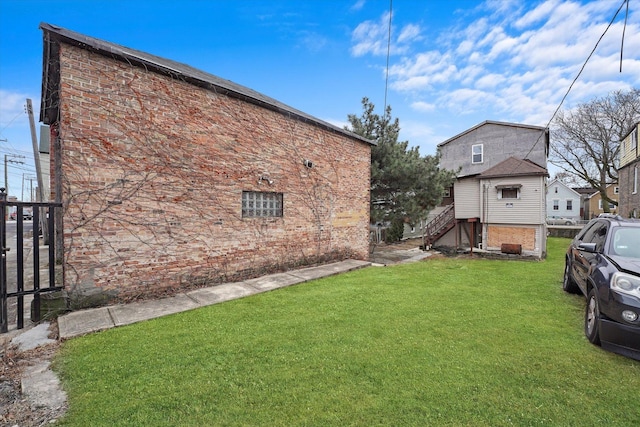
(386, 81)
(577, 76)
(624, 29)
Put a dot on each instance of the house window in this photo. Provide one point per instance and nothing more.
(555, 190)
(447, 193)
(257, 204)
(611, 205)
(616, 190)
(635, 179)
(569, 205)
(634, 138)
(509, 191)
(556, 205)
(476, 153)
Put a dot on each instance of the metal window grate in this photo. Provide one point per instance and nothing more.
(259, 204)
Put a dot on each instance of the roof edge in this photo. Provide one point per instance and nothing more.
(193, 75)
(493, 122)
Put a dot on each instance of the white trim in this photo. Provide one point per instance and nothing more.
(474, 154)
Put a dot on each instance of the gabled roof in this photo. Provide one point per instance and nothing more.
(491, 122)
(54, 34)
(556, 181)
(585, 191)
(514, 167)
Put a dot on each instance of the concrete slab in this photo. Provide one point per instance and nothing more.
(34, 337)
(274, 281)
(221, 293)
(139, 311)
(320, 271)
(42, 387)
(84, 322)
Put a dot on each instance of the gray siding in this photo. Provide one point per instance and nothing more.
(499, 141)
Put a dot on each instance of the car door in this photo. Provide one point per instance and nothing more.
(584, 260)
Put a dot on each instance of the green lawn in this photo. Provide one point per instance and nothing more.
(441, 342)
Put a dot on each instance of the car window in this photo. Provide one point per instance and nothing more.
(587, 230)
(590, 234)
(626, 242)
(596, 234)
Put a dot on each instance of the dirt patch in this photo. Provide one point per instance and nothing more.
(15, 408)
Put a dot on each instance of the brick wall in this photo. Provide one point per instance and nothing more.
(629, 201)
(153, 170)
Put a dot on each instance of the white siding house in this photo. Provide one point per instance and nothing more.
(562, 201)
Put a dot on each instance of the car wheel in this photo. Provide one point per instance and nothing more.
(568, 284)
(592, 318)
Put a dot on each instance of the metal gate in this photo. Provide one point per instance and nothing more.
(20, 275)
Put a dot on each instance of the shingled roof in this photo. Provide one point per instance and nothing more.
(514, 167)
(53, 35)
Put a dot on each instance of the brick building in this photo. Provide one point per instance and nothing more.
(172, 177)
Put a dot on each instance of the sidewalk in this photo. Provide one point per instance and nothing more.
(92, 320)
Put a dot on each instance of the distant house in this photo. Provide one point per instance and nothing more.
(629, 174)
(499, 194)
(585, 196)
(172, 178)
(594, 205)
(562, 201)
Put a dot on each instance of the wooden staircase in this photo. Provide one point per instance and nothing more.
(438, 226)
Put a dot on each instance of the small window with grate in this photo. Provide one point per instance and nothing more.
(257, 204)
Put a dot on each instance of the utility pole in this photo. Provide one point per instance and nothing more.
(44, 225)
(36, 151)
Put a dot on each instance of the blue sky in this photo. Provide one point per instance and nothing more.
(452, 64)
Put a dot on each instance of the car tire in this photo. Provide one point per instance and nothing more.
(568, 284)
(592, 318)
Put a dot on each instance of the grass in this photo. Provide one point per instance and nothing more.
(442, 342)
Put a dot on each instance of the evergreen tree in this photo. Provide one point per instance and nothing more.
(404, 185)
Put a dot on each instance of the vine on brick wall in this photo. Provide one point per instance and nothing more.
(139, 183)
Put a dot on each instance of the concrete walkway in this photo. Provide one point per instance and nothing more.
(92, 320)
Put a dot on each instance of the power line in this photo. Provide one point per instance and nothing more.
(386, 80)
(576, 79)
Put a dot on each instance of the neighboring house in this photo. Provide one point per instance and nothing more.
(499, 194)
(585, 196)
(562, 201)
(629, 174)
(594, 205)
(171, 177)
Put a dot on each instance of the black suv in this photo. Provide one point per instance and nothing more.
(603, 262)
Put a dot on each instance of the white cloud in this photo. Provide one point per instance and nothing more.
(358, 5)
(536, 15)
(369, 37)
(423, 106)
(513, 61)
(372, 37)
(311, 41)
(409, 33)
(12, 106)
